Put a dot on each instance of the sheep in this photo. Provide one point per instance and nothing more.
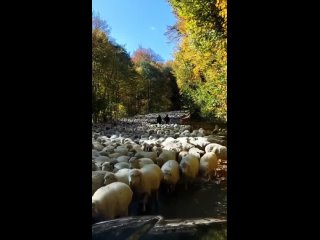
(157, 149)
(95, 153)
(164, 156)
(216, 139)
(102, 139)
(208, 164)
(194, 133)
(151, 155)
(120, 165)
(102, 153)
(181, 155)
(171, 174)
(145, 181)
(122, 150)
(172, 146)
(95, 167)
(123, 159)
(196, 152)
(189, 166)
(136, 148)
(97, 180)
(97, 146)
(121, 176)
(135, 162)
(101, 159)
(186, 146)
(219, 150)
(115, 155)
(199, 142)
(147, 146)
(108, 149)
(108, 166)
(111, 201)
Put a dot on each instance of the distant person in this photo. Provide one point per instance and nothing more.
(159, 119)
(167, 119)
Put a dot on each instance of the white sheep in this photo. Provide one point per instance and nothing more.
(121, 176)
(146, 180)
(189, 166)
(108, 149)
(164, 156)
(97, 146)
(136, 148)
(120, 165)
(102, 153)
(181, 155)
(97, 180)
(171, 174)
(196, 152)
(219, 150)
(208, 164)
(172, 146)
(111, 201)
(122, 150)
(108, 166)
(123, 159)
(95, 153)
(151, 155)
(199, 142)
(101, 159)
(147, 146)
(95, 167)
(135, 162)
(115, 155)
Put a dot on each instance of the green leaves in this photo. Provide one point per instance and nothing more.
(200, 64)
(123, 86)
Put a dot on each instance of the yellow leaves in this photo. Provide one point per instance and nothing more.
(200, 65)
(222, 6)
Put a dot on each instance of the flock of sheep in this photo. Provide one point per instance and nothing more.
(136, 159)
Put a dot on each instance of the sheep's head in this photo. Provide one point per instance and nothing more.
(144, 146)
(133, 162)
(109, 178)
(159, 161)
(107, 167)
(134, 177)
(94, 166)
(158, 150)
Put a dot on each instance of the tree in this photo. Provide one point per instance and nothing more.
(200, 64)
(125, 86)
(154, 74)
(113, 74)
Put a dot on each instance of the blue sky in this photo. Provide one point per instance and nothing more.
(138, 22)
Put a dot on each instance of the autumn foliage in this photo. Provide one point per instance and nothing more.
(200, 63)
